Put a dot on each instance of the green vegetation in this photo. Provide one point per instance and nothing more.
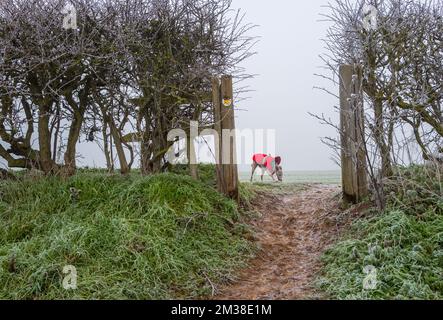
(249, 190)
(206, 173)
(159, 237)
(405, 244)
(299, 177)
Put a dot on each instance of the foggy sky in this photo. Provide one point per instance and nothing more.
(288, 56)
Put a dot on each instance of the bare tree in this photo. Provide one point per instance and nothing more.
(129, 73)
(401, 63)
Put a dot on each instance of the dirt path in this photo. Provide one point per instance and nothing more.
(293, 230)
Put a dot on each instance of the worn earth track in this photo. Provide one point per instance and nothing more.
(293, 230)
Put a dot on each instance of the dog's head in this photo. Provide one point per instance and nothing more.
(278, 169)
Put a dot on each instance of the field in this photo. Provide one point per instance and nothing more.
(324, 177)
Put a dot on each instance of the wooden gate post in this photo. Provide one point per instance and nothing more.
(216, 101)
(230, 170)
(224, 116)
(353, 153)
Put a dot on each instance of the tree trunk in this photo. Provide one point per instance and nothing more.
(56, 134)
(192, 161)
(70, 153)
(145, 151)
(109, 162)
(124, 168)
(44, 138)
(380, 138)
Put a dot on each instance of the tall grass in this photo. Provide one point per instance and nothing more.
(159, 237)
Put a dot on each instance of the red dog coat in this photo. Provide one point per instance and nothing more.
(267, 161)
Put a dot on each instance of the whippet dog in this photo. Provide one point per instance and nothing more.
(269, 164)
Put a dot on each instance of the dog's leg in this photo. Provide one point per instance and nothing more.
(272, 176)
(254, 167)
(262, 173)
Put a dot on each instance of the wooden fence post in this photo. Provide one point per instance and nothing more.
(353, 153)
(216, 101)
(227, 171)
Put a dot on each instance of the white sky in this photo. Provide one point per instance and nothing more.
(288, 57)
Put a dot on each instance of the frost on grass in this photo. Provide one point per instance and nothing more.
(165, 236)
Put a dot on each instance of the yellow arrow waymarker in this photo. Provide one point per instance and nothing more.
(227, 102)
